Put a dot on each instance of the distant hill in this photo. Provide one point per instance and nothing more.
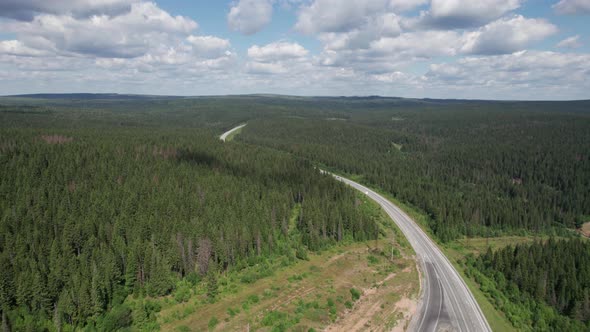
(91, 96)
(278, 97)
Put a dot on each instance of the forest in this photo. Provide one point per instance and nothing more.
(544, 286)
(91, 216)
(474, 169)
(109, 198)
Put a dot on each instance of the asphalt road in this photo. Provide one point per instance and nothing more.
(223, 136)
(446, 302)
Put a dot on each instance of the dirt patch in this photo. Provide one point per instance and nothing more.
(407, 307)
(375, 311)
(314, 292)
(56, 139)
(585, 229)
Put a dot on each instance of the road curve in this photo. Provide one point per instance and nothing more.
(446, 302)
(223, 136)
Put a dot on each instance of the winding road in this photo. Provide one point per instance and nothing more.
(446, 302)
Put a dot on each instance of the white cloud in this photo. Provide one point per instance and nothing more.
(451, 14)
(17, 48)
(336, 15)
(507, 35)
(249, 16)
(27, 9)
(421, 44)
(405, 5)
(102, 52)
(276, 51)
(384, 25)
(573, 7)
(209, 46)
(525, 73)
(265, 68)
(367, 47)
(570, 42)
(132, 34)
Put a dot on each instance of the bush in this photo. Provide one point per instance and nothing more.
(372, 260)
(212, 323)
(232, 312)
(355, 294)
(183, 291)
(273, 317)
(301, 253)
(253, 299)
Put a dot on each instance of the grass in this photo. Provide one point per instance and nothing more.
(313, 293)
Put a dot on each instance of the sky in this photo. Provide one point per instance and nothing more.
(485, 49)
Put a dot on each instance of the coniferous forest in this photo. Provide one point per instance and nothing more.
(541, 286)
(106, 198)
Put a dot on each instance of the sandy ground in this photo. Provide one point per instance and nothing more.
(585, 229)
(372, 306)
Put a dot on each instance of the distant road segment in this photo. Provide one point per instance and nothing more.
(223, 136)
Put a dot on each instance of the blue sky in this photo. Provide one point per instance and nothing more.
(492, 49)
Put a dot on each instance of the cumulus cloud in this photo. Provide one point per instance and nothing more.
(570, 42)
(250, 16)
(17, 48)
(405, 5)
(383, 25)
(104, 51)
(276, 51)
(132, 34)
(453, 14)
(507, 35)
(265, 68)
(367, 47)
(280, 57)
(336, 15)
(27, 9)
(573, 7)
(209, 46)
(506, 74)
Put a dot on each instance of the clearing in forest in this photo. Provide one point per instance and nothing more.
(368, 286)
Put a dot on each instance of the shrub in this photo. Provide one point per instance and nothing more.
(212, 323)
(183, 291)
(253, 299)
(355, 294)
(273, 317)
(372, 260)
